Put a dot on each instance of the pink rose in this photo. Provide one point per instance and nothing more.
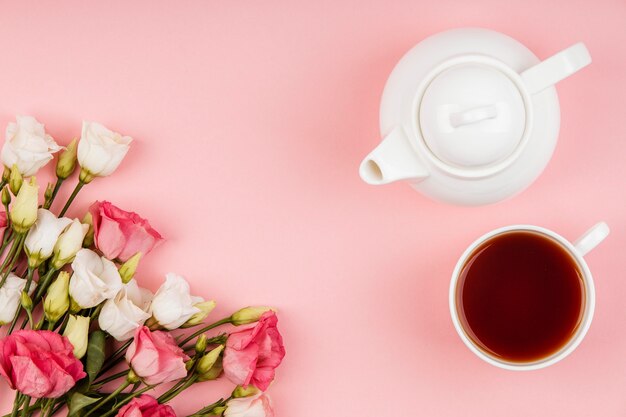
(146, 406)
(252, 354)
(258, 405)
(121, 234)
(39, 363)
(156, 357)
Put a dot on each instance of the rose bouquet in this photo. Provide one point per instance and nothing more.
(79, 333)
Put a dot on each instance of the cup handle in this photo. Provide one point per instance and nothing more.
(592, 238)
(559, 66)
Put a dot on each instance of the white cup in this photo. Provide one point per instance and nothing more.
(578, 249)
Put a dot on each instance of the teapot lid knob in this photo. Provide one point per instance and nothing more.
(472, 115)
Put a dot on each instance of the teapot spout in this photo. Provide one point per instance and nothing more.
(394, 159)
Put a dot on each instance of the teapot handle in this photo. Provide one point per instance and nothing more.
(559, 66)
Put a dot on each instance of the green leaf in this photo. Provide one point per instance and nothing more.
(95, 354)
(79, 401)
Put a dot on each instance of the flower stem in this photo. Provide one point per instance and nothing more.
(43, 286)
(47, 407)
(210, 407)
(175, 391)
(96, 312)
(36, 405)
(29, 280)
(16, 404)
(163, 397)
(62, 323)
(116, 357)
(100, 383)
(56, 189)
(124, 401)
(12, 256)
(25, 406)
(204, 329)
(55, 410)
(72, 197)
(109, 397)
(7, 237)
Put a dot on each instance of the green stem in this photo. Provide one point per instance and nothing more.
(125, 400)
(25, 406)
(100, 383)
(56, 409)
(16, 404)
(36, 405)
(63, 323)
(12, 256)
(47, 409)
(176, 386)
(205, 329)
(109, 397)
(186, 385)
(96, 312)
(221, 402)
(116, 357)
(7, 237)
(29, 280)
(72, 197)
(43, 286)
(56, 189)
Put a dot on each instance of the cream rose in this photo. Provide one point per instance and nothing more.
(69, 243)
(27, 145)
(95, 279)
(77, 332)
(173, 304)
(100, 150)
(23, 212)
(122, 315)
(43, 235)
(258, 405)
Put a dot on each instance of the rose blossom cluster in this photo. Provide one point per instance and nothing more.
(82, 335)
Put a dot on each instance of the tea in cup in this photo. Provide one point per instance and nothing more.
(522, 297)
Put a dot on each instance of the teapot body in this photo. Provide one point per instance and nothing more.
(402, 107)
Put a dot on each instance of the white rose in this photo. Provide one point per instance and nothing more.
(10, 294)
(43, 235)
(100, 150)
(28, 146)
(95, 279)
(258, 405)
(69, 243)
(122, 315)
(173, 304)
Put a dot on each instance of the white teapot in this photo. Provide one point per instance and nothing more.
(470, 116)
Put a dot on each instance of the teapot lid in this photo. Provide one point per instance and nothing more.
(472, 115)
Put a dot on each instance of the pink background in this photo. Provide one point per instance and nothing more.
(250, 120)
